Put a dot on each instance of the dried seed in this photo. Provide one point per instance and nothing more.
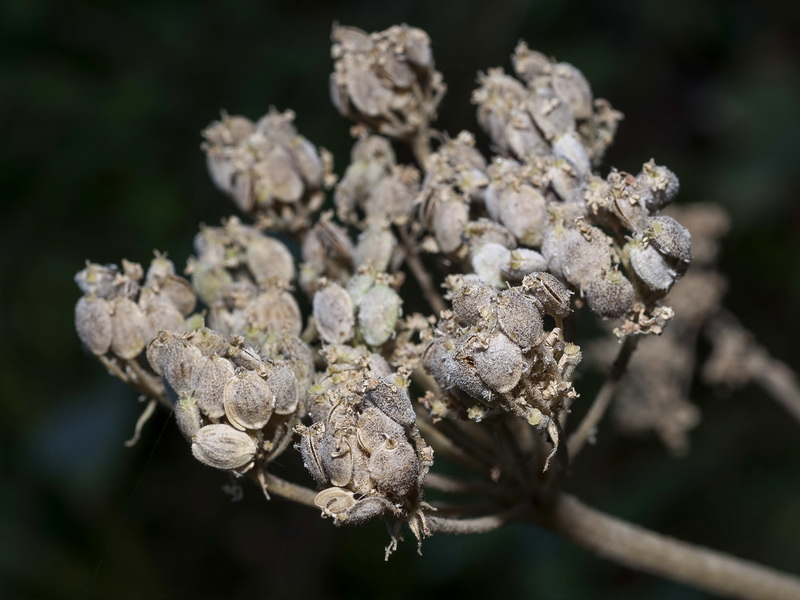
(93, 323)
(552, 295)
(283, 385)
(500, 364)
(519, 318)
(247, 400)
(394, 470)
(209, 376)
(269, 260)
(333, 312)
(474, 302)
(393, 400)
(187, 417)
(223, 447)
(129, 328)
(378, 313)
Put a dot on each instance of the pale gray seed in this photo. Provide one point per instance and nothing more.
(573, 88)
(187, 417)
(650, 266)
(375, 248)
(449, 222)
(462, 374)
(307, 161)
(277, 176)
(333, 313)
(162, 315)
(93, 323)
(366, 91)
(269, 260)
(99, 280)
(275, 310)
(129, 328)
(500, 364)
(247, 400)
(309, 448)
(376, 430)
(223, 447)
(550, 292)
(522, 262)
(352, 39)
(209, 376)
(670, 238)
(551, 114)
(283, 385)
(524, 212)
(336, 456)
(397, 70)
(570, 147)
(488, 261)
(378, 313)
(210, 281)
(519, 318)
(611, 296)
(335, 501)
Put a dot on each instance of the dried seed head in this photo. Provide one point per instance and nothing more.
(519, 318)
(474, 302)
(187, 417)
(333, 313)
(500, 364)
(223, 447)
(209, 376)
(247, 400)
(393, 400)
(94, 324)
(378, 312)
(552, 295)
(129, 328)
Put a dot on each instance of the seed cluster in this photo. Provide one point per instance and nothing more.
(385, 80)
(363, 447)
(492, 354)
(237, 403)
(268, 169)
(118, 314)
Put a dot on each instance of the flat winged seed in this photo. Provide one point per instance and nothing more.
(278, 176)
(610, 296)
(162, 315)
(333, 312)
(522, 262)
(500, 364)
(377, 431)
(179, 291)
(309, 447)
(524, 212)
(474, 302)
(129, 328)
(268, 259)
(336, 456)
(275, 310)
(378, 313)
(308, 161)
(93, 323)
(394, 470)
(573, 88)
(650, 266)
(335, 501)
(462, 374)
(209, 376)
(549, 292)
(223, 447)
(179, 362)
(283, 385)
(393, 400)
(247, 400)
(519, 318)
(670, 238)
(187, 417)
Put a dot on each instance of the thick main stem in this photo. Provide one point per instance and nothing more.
(638, 548)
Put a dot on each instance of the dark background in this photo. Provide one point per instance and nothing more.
(102, 104)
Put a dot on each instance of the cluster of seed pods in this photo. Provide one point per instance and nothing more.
(363, 448)
(118, 314)
(492, 354)
(234, 402)
(243, 276)
(268, 169)
(385, 80)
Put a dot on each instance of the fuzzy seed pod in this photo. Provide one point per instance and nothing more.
(500, 363)
(247, 400)
(283, 386)
(209, 376)
(394, 468)
(393, 400)
(377, 431)
(552, 295)
(274, 310)
(333, 312)
(378, 312)
(522, 262)
(610, 296)
(488, 261)
(94, 324)
(187, 417)
(269, 261)
(129, 328)
(474, 302)
(223, 447)
(519, 318)
(572, 87)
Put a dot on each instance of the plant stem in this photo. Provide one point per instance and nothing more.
(290, 491)
(477, 525)
(420, 273)
(638, 548)
(601, 402)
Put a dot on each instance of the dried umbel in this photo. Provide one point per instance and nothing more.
(268, 169)
(386, 80)
(363, 447)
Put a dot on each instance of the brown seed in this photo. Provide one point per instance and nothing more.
(474, 302)
(519, 318)
(247, 400)
(376, 430)
(283, 385)
(393, 400)
(552, 295)
(394, 470)
(223, 447)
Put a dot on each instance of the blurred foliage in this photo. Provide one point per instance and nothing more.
(102, 104)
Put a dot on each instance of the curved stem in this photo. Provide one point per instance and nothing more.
(638, 548)
(421, 274)
(476, 525)
(290, 491)
(601, 402)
